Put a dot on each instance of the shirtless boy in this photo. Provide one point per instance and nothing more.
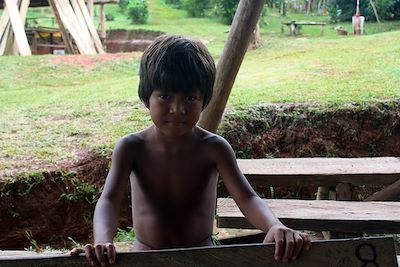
(173, 165)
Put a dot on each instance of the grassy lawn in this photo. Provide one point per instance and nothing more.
(51, 112)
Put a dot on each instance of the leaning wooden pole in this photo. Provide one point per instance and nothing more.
(389, 193)
(243, 25)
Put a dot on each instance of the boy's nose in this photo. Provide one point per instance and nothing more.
(177, 107)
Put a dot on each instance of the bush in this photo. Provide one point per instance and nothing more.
(225, 10)
(176, 3)
(196, 8)
(123, 4)
(138, 11)
(333, 12)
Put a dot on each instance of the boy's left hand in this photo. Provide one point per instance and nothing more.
(288, 242)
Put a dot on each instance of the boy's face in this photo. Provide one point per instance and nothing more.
(175, 113)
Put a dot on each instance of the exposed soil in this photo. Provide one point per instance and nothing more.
(90, 61)
(49, 207)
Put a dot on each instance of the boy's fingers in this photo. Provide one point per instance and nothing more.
(279, 243)
(298, 243)
(111, 253)
(306, 242)
(99, 249)
(289, 246)
(76, 251)
(90, 255)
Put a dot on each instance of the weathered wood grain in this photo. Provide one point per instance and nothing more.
(321, 171)
(320, 215)
(18, 28)
(89, 24)
(334, 253)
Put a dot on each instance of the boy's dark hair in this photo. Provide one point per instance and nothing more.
(177, 64)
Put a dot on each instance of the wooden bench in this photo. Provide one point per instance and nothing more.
(354, 252)
(294, 26)
(349, 216)
(320, 215)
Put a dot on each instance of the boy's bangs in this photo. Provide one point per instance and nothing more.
(179, 79)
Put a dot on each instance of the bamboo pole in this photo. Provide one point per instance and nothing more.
(243, 25)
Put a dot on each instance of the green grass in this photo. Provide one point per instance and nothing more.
(50, 112)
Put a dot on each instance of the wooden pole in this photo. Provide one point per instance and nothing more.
(389, 193)
(244, 22)
(102, 21)
(376, 13)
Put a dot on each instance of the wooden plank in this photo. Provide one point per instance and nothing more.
(23, 10)
(18, 28)
(4, 37)
(321, 171)
(82, 25)
(69, 20)
(44, 3)
(65, 36)
(350, 252)
(320, 215)
(92, 29)
(5, 18)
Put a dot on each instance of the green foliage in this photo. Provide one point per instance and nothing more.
(138, 11)
(175, 3)
(333, 12)
(386, 9)
(225, 10)
(196, 8)
(125, 235)
(123, 4)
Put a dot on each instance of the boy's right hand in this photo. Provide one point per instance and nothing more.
(100, 254)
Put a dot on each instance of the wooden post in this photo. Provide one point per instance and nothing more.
(244, 22)
(102, 21)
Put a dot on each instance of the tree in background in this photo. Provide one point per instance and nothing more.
(138, 11)
(387, 9)
(225, 10)
(123, 4)
(196, 8)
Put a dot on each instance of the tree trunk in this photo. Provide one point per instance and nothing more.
(244, 22)
(376, 13)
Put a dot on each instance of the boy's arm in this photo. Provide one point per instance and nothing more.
(105, 220)
(288, 243)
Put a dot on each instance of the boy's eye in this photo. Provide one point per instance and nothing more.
(191, 98)
(164, 97)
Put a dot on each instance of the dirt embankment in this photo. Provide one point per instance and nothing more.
(47, 208)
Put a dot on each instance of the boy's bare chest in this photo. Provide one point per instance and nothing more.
(175, 175)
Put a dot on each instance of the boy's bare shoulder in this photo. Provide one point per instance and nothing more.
(131, 142)
(213, 140)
